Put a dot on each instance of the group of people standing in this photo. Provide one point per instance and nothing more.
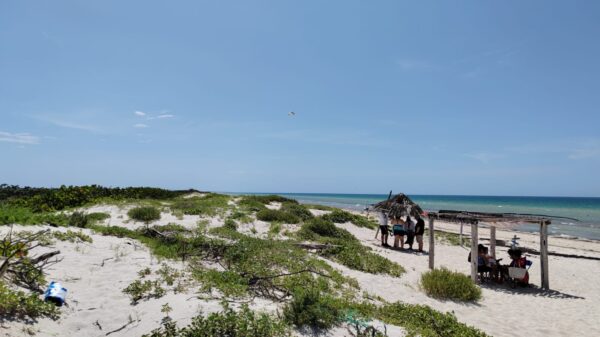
(401, 228)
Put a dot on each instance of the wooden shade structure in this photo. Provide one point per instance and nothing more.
(504, 220)
(399, 205)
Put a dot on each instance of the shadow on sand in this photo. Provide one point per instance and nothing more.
(530, 290)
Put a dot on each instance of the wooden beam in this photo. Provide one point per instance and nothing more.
(493, 241)
(544, 255)
(474, 252)
(431, 244)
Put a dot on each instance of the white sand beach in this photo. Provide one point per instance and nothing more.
(96, 274)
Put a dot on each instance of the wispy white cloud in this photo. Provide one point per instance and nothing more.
(19, 138)
(63, 123)
(165, 116)
(140, 125)
(140, 113)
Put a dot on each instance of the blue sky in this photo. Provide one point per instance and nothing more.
(455, 97)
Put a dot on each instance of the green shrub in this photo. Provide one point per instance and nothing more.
(346, 249)
(241, 217)
(324, 227)
(230, 224)
(209, 205)
(298, 210)
(275, 228)
(421, 320)
(97, 217)
(19, 305)
(78, 219)
(358, 257)
(230, 323)
(267, 199)
(341, 216)
(277, 215)
(251, 204)
(145, 214)
(313, 309)
(139, 290)
(445, 284)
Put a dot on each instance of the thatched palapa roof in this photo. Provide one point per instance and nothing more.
(399, 205)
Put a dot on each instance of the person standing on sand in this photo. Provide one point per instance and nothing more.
(419, 231)
(399, 231)
(410, 232)
(383, 226)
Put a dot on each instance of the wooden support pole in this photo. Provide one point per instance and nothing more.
(474, 252)
(461, 235)
(431, 244)
(493, 241)
(544, 254)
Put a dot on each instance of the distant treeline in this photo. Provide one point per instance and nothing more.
(41, 199)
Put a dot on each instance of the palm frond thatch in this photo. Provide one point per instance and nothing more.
(399, 205)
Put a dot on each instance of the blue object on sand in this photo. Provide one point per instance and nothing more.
(55, 293)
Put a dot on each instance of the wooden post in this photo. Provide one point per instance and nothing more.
(474, 252)
(461, 235)
(431, 244)
(544, 254)
(493, 241)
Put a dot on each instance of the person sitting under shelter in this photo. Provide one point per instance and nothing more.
(519, 261)
(482, 261)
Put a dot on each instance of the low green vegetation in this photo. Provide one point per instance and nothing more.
(449, 285)
(277, 215)
(267, 268)
(55, 199)
(346, 249)
(145, 214)
(297, 210)
(320, 207)
(208, 205)
(97, 217)
(10, 214)
(21, 305)
(240, 216)
(230, 323)
(309, 307)
(78, 219)
(72, 236)
(142, 290)
(230, 224)
(341, 216)
(423, 321)
(256, 203)
(314, 294)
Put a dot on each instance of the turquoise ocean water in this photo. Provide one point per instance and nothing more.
(586, 210)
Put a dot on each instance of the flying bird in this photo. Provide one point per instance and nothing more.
(291, 114)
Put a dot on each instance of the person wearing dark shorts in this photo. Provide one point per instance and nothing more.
(419, 231)
(383, 226)
(410, 232)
